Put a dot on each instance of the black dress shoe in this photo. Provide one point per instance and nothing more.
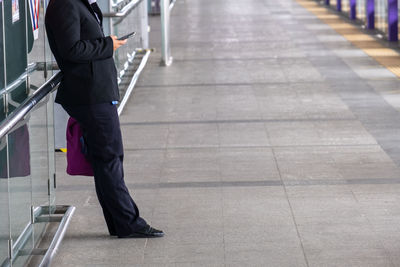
(145, 232)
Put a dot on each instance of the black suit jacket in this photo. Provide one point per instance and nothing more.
(83, 53)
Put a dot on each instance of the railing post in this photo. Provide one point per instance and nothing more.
(166, 58)
(145, 25)
(339, 5)
(370, 14)
(353, 9)
(393, 21)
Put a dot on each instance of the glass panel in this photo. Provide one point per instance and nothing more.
(4, 204)
(398, 6)
(2, 83)
(20, 186)
(50, 62)
(16, 45)
(28, 150)
(38, 125)
(15, 40)
(361, 10)
(381, 15)
(128, 57)
(39, 159)
(346, 6)
(121, 27)
(50, 150)
(4, 218)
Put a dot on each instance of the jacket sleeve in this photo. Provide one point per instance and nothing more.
(65, 25)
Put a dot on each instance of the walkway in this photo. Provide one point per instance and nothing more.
(270, 141)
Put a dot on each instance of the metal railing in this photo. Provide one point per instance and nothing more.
(133, 81)
(66, 212)
(43, 213)
(122, 17)
(171, 5)
(21, 79)
(166, 7)
(25, 107)
(124, 10)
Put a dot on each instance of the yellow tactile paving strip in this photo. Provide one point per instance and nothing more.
(387, 57)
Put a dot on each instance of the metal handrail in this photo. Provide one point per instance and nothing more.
(166, 58)
(55, 244)
(171, 5)
(133, 81)
(124, 11)
(42, 214)
(117, 3)
(19, 113)
(17, 82)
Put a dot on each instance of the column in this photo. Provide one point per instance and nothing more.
(393, 21)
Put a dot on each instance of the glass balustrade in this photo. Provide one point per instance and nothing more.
(27, 163)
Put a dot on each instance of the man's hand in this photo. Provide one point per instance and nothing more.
(117, 43)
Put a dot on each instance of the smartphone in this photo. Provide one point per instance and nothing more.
(126, 36)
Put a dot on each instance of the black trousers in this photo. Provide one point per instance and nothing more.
(102, 133)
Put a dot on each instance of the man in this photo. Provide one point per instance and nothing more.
(89, 92)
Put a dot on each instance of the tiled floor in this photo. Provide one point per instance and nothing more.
(270, 141)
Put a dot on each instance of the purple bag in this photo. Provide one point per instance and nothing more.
(77, 163)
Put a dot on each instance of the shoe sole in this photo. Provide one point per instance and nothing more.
(137, 235)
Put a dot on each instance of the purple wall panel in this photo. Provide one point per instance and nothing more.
(353, 11)
(370, 14)
(393, 21)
